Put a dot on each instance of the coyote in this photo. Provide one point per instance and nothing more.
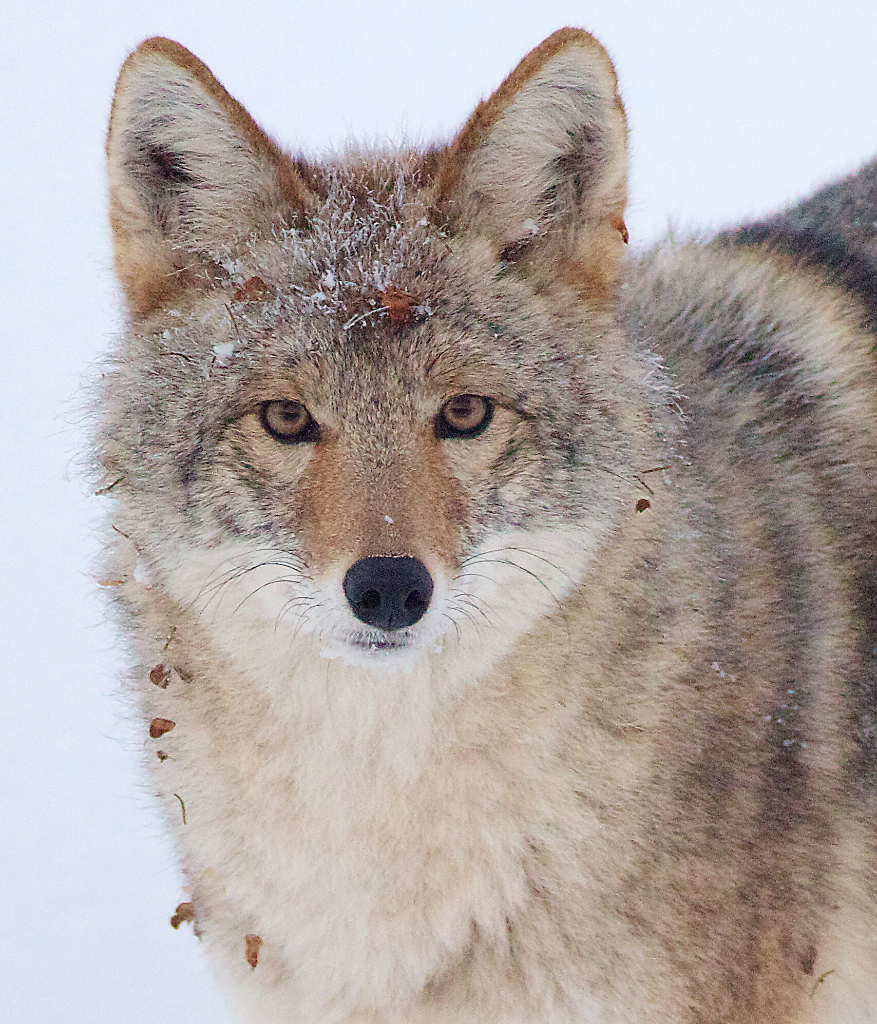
(503, 611)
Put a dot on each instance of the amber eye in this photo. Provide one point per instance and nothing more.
(464, 416)
(289, 421)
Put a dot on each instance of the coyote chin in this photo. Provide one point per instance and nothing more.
(503, 611)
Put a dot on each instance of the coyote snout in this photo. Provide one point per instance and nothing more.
(390, 593)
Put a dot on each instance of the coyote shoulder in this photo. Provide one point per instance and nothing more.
(503, 611)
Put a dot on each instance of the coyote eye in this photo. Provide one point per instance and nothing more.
(464, 416)
(288, 421)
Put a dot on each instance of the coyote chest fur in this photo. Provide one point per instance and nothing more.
(504, 614)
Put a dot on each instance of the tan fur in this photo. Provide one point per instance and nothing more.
(619, 764)
(342, 520)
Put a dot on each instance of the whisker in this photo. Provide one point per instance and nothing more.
(262, 586)
(453, 622)
(303, 618)
(533, 575)
(220, 578)
(475, 603)
(477, 625)
(302, 599)
(541, 558)
(514, 565)
(500, 556)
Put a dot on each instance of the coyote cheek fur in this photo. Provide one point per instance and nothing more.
(504, 614)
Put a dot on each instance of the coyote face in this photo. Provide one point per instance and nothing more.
(505, 615)
(397, 456)
(380, 473)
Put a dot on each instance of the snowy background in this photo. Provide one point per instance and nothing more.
(734, 108)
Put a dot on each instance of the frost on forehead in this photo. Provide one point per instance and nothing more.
(361, 262)
(359, 256)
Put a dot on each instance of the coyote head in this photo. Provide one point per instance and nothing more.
(378, 406)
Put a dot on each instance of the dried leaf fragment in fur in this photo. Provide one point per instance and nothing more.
(160, 676)
(252, 289)
(398, 304)
(617, 222)
(254, 944)
(184, 912)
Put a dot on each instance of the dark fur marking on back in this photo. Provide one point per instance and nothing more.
(810, 249)
(856, 274)
(772, 372)
(753, 363)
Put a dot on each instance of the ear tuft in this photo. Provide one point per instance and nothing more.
(190, 173)
(541, 167)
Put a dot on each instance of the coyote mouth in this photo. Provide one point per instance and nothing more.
(372, 648)
(375, 641)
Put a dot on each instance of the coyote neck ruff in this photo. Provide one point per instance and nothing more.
(492, 674)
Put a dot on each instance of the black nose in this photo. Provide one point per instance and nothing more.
(390, 593)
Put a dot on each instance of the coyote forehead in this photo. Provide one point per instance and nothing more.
(369, 233)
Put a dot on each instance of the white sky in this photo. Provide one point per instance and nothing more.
(734, 108)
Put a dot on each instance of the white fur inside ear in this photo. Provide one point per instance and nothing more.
(175, 154)
(557, 155)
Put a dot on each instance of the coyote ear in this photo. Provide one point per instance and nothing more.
(190, 172)
(541, 167)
